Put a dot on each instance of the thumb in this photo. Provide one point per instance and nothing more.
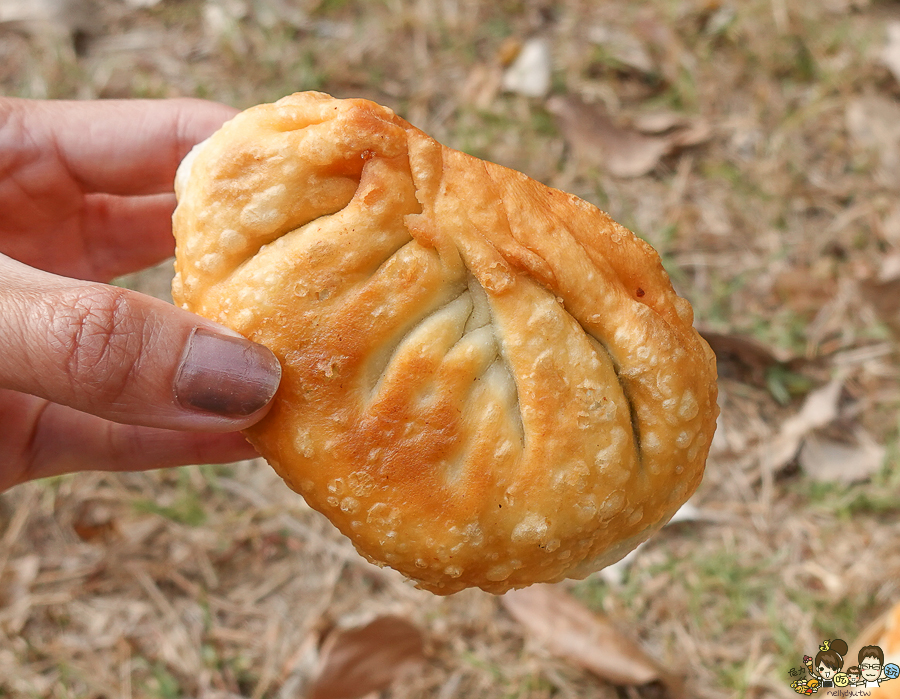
(127, 357)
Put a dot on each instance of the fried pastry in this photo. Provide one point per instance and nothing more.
(486, 382)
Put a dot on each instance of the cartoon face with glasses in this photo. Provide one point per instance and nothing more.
(871, 666)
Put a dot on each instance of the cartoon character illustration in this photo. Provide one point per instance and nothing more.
(830, 661)
(841, 679)
(873, 671)
(806, 686)
(826, 670)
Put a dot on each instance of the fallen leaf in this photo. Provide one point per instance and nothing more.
(46, 16)
(572, 632)
(803, 289)
(659, 122)
(743, 358)
(221, 18)
(884, 297)
(94, 521)
(890, 54)
(838, 7)
(92, 532)
(828, 461)
(667, 46)
(509, 48)
(719, 20)
(683, 131)
(624, 48)
(482, 85)
(30, 10)
(271, 13)
(530, 72)
(594, 138)
(15, 595)
(873, 123)
(354, 662)
(889, 269)
(622, 151)
(819, 409)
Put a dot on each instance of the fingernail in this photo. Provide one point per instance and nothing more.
(226, 375)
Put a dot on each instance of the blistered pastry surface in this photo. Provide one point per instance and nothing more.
(486, 382)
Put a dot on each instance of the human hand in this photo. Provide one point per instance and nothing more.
(94, 376)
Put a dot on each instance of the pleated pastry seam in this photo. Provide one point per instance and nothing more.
(257, 249)
(411, 330)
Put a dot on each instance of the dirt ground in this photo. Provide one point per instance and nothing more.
(755, 144)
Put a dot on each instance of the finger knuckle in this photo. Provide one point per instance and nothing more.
(97, 340)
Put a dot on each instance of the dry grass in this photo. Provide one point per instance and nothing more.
(218, 582)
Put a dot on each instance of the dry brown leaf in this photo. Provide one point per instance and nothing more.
(884, 296)
(889, 268)
(693, 133)
(572, 632)
(825, 460)
(31, 10)
(94, 522)
(509, 48)
(595, 139)
(94, 532)
(624, 47)
(354, 662)
(659, 122)
(839, 7)
(623, 152)
(742, 357)
(482, 85)
(221, 18)
(819, 409)
(874, 126)
(530, 72)
(15, 594)
(46, 16)
(682, 130)
(890, 55)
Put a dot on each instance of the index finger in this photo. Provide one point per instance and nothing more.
(123, 147)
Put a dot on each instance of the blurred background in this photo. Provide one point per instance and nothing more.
(754, 143)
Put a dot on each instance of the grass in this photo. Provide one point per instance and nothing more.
(785, 385)
(162, 684)
(187, 509)
(189, 506)
(874, 499)
(735, 586)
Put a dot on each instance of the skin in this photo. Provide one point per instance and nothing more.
(86, 369)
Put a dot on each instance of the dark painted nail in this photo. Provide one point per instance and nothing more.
(225, 375)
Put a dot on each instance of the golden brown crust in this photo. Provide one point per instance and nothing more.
(486, 382)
